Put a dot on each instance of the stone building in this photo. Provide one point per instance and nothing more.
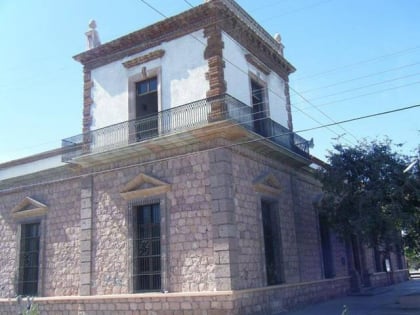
(187, 191)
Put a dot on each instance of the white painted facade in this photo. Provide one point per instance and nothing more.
(8, 172)
(181, 73)
(181, 80)
(238, 73)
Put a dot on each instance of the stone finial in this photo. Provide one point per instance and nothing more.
(277, 38)
(92, 36)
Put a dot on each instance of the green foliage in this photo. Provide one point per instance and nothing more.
(413, 258)
(28, 308)
(367, 193)
(32, 311)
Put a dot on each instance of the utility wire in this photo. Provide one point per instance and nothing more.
(245, 72)
(358, 78)
(357, 63)
(366, 94)
(323, 113)
(364, 86)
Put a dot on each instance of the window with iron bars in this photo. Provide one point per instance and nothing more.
(147, 255)
(29, 259)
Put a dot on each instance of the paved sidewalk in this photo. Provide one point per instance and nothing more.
(380, 301)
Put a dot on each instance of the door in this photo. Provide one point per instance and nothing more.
(146, 109)
(327, 256)
(258, 108)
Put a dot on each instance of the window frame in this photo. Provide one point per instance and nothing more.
(41, 259)
(273, 208)
(147, 235)
(30, 211)
(164, 248)
(132, 88)
(22, 278)
(263, 114)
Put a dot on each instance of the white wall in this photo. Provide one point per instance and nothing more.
(31, 167)
(182, 80)
(238, 80)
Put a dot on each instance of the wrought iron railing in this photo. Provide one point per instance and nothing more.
(182, 118)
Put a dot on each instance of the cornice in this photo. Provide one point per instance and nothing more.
(214, 12)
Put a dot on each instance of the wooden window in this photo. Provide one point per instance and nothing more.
(259, 108)
(146, 109)
(147, 251)
(29, 259)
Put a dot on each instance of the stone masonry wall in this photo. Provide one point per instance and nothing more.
(300, 244)
(109, 236)
(8, 257)
(187, 233)
(263, 301)
(59, 239)
(305, 192)
(339, 256)
(249, 222)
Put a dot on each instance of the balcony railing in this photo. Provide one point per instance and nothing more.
(182, 118)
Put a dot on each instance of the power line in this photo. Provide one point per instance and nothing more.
(245, 72)
(358, 63)
(366, 94)
(364, 86)
(325, 114)
(359, 78)
(363, 117)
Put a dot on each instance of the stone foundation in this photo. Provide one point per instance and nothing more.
(268, 300)
(382, 279)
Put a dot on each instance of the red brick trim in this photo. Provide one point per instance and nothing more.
(214, 55)
(87, 100)
(145, 58)
(288, 106)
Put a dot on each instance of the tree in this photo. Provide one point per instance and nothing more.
(368, 194)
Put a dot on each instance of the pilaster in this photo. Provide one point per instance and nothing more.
(225, 239)
(86, 236)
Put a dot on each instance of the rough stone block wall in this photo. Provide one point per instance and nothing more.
(59, 241)
(263, 301)
(248, 223)
(61, 256)
(187, 233)
(339, 256)
(191, 257)
(301, 250)
(8, 257)
(109, 236)
(307, 230)
(276, 299)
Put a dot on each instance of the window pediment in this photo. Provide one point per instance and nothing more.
(267, 184)
(29, 208)
(143, 186)
(144, 58)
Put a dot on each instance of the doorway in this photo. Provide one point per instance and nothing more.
(146, 109)
(259, 108)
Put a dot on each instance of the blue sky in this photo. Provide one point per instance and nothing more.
(353, 58)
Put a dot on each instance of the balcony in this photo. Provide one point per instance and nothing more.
(182, 119)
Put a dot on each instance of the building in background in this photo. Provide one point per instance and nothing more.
(187, 191)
